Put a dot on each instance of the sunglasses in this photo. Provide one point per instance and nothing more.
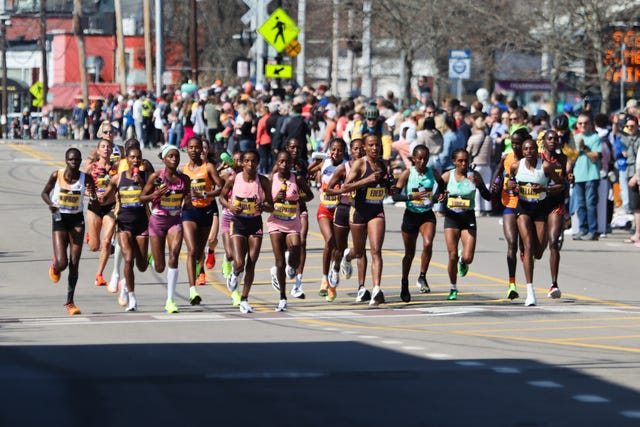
(107, 132)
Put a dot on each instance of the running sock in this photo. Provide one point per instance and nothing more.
(530, 288)
(198, 268)
(454, 287)
(172, 280)
(117, 261)
(325, 278)
(423, 274)
(512, 279)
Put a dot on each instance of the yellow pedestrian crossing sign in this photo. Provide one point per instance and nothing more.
(37, 90)
(279, 30)
(278, 71)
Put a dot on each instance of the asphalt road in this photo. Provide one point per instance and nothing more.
(481, 360)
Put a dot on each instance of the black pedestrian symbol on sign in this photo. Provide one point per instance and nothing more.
(280, 26)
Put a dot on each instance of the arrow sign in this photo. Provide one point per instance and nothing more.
(278, 71)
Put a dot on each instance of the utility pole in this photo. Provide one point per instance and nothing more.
(82, 54)
(335, 45)
(302, 24)
(366, 88)
(148, 62)
(43, 46)
(121, 69)
(5, 92)
(159, 46)
(193, 41)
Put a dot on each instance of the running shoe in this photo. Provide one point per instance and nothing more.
(332, 293)
(334, 276)
(453, 295)
(131, 307)
(53, 274)
(282, 305)
(72, 309)
(194, 296)
(113, 284)
(423, 285)
(226, 267)
(531, 299)
(274, 279)
(405, 295)
(512, 293)
(363, 294)
(232, 282)
(211, 259)
(171, 307)
(298, 283)
(201, 280)
(297, 293)
(554, 292)
(463, 268)
(346, 269)
(378, 296)
(323, 288)
(245, 307)
(100, 280)
(123, 297)
(235, 298)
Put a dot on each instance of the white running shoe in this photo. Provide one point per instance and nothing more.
(245, 307)
(232, 282)
(554, 292)
(363, 295)
(531, 299)
(422, 285)
(334, 276)
(289, 271)
(113, 284)
(346, 269)
(274, 279)
(377, 296)
(282, 305)
(297, 293)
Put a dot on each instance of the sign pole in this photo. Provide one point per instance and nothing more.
(623, 74)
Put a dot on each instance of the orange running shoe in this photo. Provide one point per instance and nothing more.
(211, 259)
(72, 309)
(100, 280)
(87, 237)
(332, 293)
(201, 280)
(53, 274)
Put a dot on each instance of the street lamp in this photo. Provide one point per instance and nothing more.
(4, 21)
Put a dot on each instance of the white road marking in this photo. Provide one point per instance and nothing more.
(545, 384)
(368, 337)
(590, 398)
(439, 356)
(630, 414)
(391, 342)
(469, 363)
(506, 370)
(412, 348)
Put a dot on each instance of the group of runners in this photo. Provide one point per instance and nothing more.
(132, 205)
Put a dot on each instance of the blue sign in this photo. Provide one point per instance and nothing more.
(459, 64)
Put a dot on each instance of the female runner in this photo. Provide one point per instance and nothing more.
(168, 190)
(369, 178)
(558, 208)
(460, 217)
(68, 186)
(326, 209)
(132, 221)
(510, 202)
(341, 223)
(418, 217)
(284, 222)
(251, 194)
(198, 219)
(101, 215)
(532, 177)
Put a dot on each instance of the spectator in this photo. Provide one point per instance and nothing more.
(586, 172)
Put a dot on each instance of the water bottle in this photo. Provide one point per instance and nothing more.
(57, 216)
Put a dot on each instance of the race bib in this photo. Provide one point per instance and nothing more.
(130, 197)
(527, 193)
(286, 210)
(458, 203)
(375, 195)
(424, 202)
(329, 201)
(198, 187)
(171, 201)
(249, 206)
(69, 199)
